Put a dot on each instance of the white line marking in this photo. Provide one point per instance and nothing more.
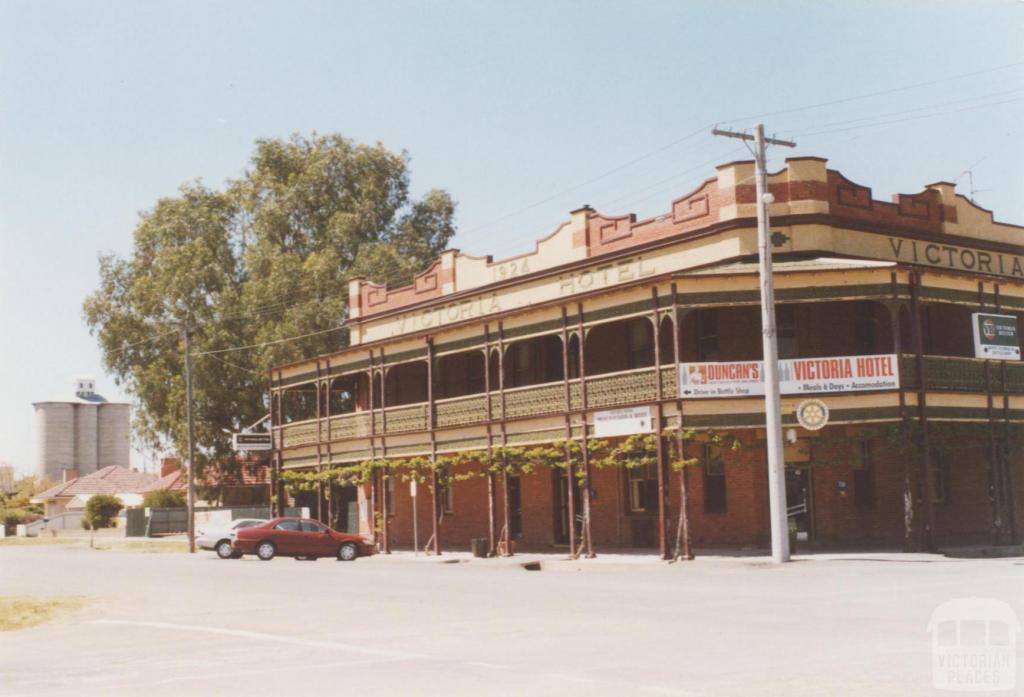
(260, 636)
(481, 664)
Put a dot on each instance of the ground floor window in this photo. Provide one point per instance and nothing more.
(643, 488)
(714, 480)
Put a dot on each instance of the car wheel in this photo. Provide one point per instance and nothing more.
(265, 551)
(347, 552)
(224, 549)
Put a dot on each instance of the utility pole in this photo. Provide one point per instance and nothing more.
(772, 400)
(191, 440)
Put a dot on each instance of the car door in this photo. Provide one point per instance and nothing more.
(317, 540)
(288, 537)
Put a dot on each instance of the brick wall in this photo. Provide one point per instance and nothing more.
(838, 520)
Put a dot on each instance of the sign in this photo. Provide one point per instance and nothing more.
(796, 376)
(622, 422)
(252, 441)
(995, 336)
(812, 414)
(412, 488)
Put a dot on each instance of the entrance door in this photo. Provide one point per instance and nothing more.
(798, 501)
(345, 508)
(560, 484)
(515, 507)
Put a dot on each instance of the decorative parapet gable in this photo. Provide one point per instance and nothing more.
(804, 187)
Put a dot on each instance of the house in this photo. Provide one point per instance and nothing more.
(64, 504)
(245, 482)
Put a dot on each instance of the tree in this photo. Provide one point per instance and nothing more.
(100, 511)
(163, 498)
(267, 258)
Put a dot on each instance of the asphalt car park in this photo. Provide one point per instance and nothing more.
(180, 624)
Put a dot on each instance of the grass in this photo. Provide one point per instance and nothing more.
(21, 612)
(27, 541)
(100, 544)
(149, 546)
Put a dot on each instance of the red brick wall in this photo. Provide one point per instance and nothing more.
(838, 521)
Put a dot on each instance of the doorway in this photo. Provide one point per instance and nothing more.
(799, 504)
(344, 508)
(559, 482)
(515, 507)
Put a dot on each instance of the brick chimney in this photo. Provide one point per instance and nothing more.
(168, 465)
(68, 475)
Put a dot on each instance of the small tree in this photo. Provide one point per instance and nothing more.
(163, 498)
(100, 511)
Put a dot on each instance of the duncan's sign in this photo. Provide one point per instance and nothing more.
(796, 376)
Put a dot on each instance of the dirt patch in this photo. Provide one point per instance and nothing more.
(21, 612)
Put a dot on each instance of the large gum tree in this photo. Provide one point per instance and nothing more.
(265, 258)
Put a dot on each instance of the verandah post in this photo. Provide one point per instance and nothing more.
(683, 527)
(570, 494)
(659, 442)
(491, 494)
(431, 420)
(585, 445)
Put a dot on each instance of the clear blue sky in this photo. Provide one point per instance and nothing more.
(515, 108)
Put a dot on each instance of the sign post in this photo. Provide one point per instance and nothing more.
(995, 336)
(415, 526)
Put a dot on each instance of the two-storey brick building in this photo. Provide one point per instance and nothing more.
(660, 317)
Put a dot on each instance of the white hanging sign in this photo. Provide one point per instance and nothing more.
(622, 422)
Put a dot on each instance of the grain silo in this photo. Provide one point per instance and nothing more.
(80, 434)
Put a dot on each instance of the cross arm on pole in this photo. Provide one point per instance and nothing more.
(748, 136)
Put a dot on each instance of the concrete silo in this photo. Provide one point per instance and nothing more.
(81, 434)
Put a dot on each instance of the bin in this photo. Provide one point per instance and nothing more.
(479, 546)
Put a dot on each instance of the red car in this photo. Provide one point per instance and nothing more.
(301, 538)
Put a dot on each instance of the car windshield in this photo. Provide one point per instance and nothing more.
(238, 524)
(312, 526)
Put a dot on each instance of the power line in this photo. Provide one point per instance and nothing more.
(912, 118)
(878, 93)
(269, 343)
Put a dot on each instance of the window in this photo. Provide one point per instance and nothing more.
(714, 480)
(642, 483)
(312, 526)
(938, 477)
(865, 328)
(289, 525)
(707, 335)
(785, 330)
(639, 343)
(389, 494)
(522, 363)
(863, 478)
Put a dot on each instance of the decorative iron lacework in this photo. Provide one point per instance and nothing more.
(355, 425)
(468, 410)
(301, 434)
(621, 388)
(668, 381)
(405, 419)
(544, 399)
